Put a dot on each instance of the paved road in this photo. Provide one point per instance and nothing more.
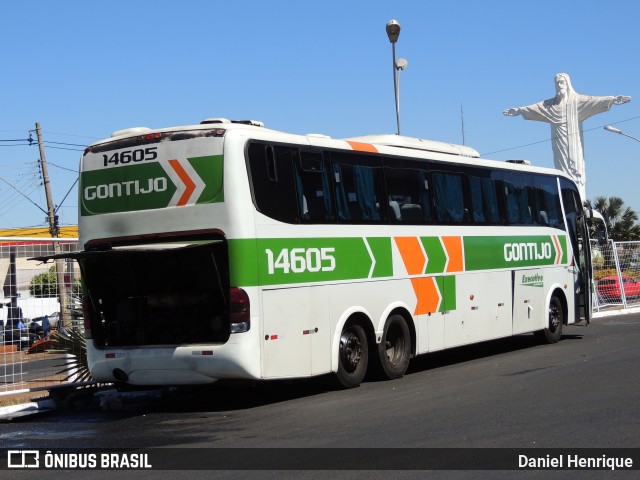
(581, 392)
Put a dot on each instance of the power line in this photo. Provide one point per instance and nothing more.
(64, 148)
(63, 168)
(552, 138)
(62, 143)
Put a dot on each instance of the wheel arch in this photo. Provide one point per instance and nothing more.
(353, 316)
(403, 312)
(560, 294)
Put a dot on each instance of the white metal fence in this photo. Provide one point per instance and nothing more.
(34, 294)
(616, 271)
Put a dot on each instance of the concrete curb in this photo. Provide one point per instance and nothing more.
(12, 412)
(615, 312)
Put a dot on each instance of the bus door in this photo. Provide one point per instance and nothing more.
(579, 238)
(584, 292)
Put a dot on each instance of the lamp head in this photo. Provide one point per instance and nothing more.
(612, 129)
(393, 30)
(401, 64)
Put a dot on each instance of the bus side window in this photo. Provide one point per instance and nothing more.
(313, 186)
(550, 213)
(449, 197)
(408, 192)
(572, 208)
(520, 206)
(485, 199)
(272, 181)
(359, 189)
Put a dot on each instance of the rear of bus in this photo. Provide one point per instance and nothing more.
(157, 209)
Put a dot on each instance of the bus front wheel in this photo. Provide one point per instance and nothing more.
(353, 356)
(394, 350)
(553, 332)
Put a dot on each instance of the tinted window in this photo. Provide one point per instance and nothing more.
(486, 203)
(449, 197)
(520, 203)
(572, 207)
(549, 211)
(272, 181)
(407, 191)
(313, 187)
(359, 188)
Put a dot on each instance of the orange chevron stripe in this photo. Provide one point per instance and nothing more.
(190, 186)
(453, 247)
(558, 249)
(427, 294)
(411, 253)
(363, 147)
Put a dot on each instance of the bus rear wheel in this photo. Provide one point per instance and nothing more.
(353, 356)
(394, 350)
(553, 332)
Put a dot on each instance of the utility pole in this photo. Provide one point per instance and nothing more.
(53, 228)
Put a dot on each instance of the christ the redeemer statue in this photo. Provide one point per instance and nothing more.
(566, 112)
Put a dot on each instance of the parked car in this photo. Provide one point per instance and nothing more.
(609, 287)
(22, 338)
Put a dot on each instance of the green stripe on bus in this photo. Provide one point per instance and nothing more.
(447, 287)
(210, 171)
(485, 253)
(283, 261)
(381, 248)
(436, 255)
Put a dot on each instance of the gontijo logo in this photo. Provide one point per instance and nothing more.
(488, 252)
(173, 182)
(515, 252)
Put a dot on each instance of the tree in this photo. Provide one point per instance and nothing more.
(45, 284)
(620, 220)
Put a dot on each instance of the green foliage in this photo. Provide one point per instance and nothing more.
(45, 285)
(620, 220)
(72, 341)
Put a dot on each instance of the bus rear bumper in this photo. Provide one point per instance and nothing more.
(166, 366)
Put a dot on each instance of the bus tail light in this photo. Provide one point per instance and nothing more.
(86, 313)
(239, 310)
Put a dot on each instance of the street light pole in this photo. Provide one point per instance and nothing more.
(393, 32)
(613, 129)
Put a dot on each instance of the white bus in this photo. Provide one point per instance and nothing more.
(227, 250)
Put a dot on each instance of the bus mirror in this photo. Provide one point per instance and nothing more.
(598, 222)
(588, 213)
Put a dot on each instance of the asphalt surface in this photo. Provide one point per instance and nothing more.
(515, 393)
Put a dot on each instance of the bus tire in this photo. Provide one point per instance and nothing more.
(553, 332)
(394, 350)
(353, 356)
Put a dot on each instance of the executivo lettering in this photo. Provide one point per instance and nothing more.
(536, 280)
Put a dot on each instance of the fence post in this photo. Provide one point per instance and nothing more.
(623, 295)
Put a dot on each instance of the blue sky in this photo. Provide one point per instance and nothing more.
(84, 69)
